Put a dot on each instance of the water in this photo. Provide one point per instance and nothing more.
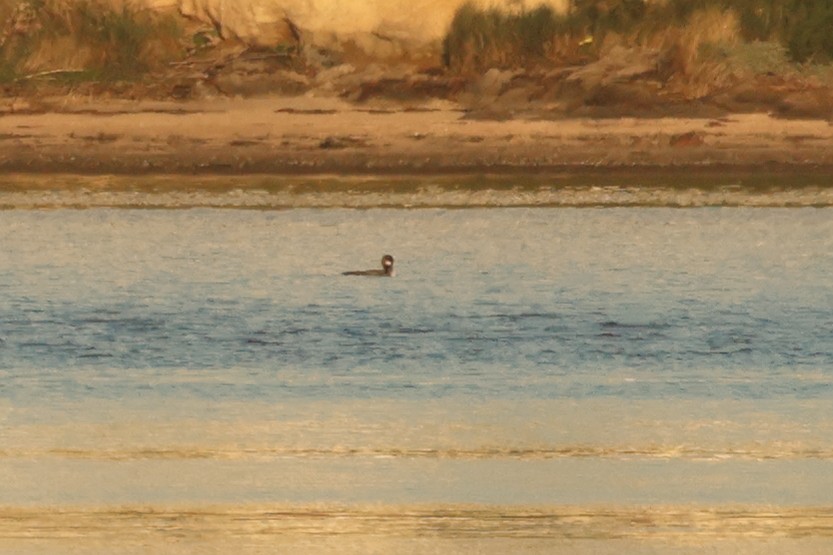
(628, 303)
(523, 357)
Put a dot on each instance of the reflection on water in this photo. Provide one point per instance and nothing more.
(522, 360)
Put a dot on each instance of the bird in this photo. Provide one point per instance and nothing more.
(386, 271)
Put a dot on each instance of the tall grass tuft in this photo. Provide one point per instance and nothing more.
(92, 39)
(482, 38)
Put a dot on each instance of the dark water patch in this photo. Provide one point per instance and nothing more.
(92, 354)
(259, 341)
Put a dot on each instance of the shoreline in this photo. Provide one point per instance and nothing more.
(605, 189)
(310, 136)
(310, 152)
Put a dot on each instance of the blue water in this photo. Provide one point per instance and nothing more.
(498, 303)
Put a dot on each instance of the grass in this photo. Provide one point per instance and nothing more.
(89, 38)
(480, 39)
(801, 26)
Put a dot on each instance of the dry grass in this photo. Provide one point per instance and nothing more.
(480, 39)
(86, 39)
(693, 32)
(695, 54)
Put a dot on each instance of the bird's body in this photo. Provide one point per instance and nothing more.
(386, 271)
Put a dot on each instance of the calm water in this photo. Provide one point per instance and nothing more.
(544, 357)
(513, 303)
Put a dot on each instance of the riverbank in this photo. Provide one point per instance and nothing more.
(301, 135)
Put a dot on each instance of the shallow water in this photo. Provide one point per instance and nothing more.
(522, 357)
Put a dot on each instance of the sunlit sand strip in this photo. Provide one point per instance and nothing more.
(424, 198)
(756, 453)
(143, 523)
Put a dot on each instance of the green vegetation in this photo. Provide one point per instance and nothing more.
(482, 38)
(85, 40)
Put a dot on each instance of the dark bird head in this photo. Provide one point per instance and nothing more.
(387, 264)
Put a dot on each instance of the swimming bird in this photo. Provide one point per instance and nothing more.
(386, 271)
